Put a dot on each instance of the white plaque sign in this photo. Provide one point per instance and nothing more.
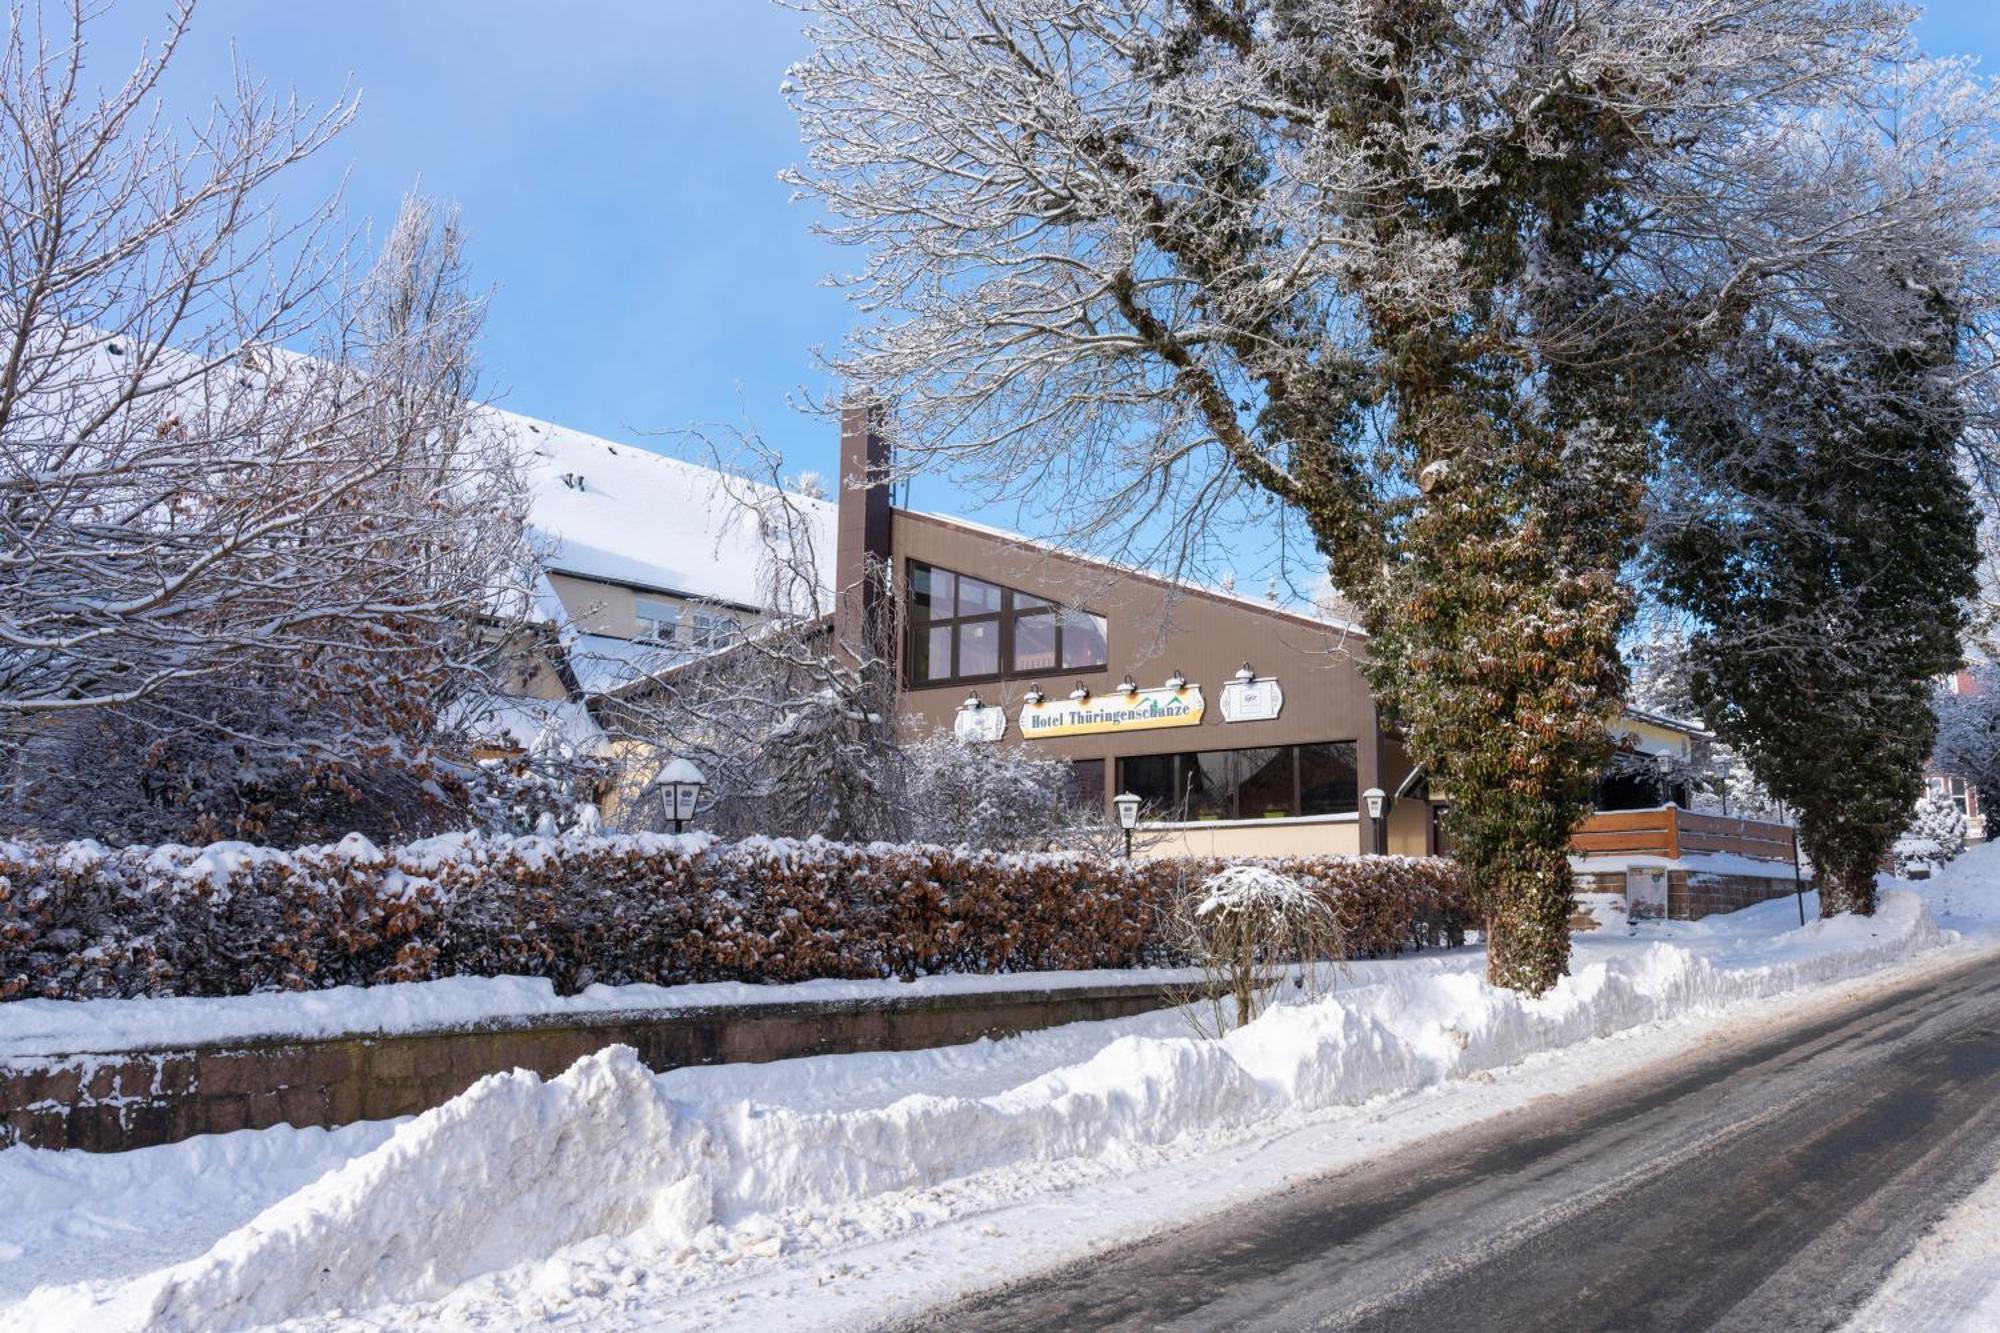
(1252, 700)
(980, 725)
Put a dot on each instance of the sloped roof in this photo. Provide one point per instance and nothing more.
(626, 514)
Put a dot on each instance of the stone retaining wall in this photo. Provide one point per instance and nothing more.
(134, 1099)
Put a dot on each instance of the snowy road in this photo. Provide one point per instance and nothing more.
(1768, 1185)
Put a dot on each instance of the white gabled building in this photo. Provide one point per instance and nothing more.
(647, 561)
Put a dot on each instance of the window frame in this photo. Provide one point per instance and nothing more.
(712, 629)
(1177, 812)
(919, 626)
(640, 620)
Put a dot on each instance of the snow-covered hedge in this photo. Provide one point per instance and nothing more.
(78, 920)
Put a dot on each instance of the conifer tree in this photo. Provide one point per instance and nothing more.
(1824, 538)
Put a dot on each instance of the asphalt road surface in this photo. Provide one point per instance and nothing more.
(1769, 1185)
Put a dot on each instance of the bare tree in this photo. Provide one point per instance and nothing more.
(793, 728)
(249, 531)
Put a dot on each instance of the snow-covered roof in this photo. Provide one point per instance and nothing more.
(626, 514)
(1314, 614)
(531, 724)
(603, 663)
(1682, 725)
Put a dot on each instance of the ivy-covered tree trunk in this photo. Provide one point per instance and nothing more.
(1496, 651)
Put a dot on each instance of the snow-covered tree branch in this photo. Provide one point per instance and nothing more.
(248, 524)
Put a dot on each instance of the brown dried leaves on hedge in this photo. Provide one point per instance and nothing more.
(79, 921)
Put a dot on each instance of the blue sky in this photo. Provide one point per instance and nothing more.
(616, 162)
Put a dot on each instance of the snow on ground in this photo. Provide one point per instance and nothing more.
(845, 1188)
(1950, 1283)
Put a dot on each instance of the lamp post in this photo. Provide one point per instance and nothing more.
(1375, 799)
(679, 784)
(1128, 817)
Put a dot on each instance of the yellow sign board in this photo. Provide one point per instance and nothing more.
(1116, 711)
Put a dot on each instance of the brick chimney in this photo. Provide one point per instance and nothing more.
(862, 564)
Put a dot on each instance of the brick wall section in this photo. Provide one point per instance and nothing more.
(135, 1099)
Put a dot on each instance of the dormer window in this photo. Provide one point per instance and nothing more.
(656, 621)
(712, 629)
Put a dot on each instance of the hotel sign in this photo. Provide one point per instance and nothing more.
(980, 726)
(1258, 700)
(1115, 711)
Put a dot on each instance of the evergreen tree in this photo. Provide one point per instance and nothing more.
(1824, 539)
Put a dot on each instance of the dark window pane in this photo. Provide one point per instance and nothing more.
(1327, 783)
(937, 659)
(930, 593)
(979, 648)
(1035, 642)
(976, 598)
(1084, 790)
(1209, 781)
(1083, 640)
(1264, 782)
(1150, 777)
(1023, 602)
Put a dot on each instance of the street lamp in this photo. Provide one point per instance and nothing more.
(1663, 765)
(1128, 817)
(679, 784)
(1375, 799)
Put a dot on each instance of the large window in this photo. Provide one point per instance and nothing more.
(1268, 782)
(963, 629)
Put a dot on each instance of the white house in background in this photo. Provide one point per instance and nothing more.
(647, 561)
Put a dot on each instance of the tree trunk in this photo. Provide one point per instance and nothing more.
(1846, 888)
(1529, 902)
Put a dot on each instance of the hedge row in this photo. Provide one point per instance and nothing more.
(79, 921)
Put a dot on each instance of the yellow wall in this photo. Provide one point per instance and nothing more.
(1251, 837)
(1407, 821)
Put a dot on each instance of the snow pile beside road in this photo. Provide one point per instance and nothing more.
(518, 1168)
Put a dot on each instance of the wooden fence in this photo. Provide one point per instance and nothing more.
(1672, 832)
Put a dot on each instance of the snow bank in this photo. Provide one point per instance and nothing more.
(519, 1168)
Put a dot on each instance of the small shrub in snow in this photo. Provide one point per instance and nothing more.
(1252, 930)
(78, 920)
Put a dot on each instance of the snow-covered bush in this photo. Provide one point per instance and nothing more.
(1251, 929)
(79, 920)
(1936, 834)
(991, 797)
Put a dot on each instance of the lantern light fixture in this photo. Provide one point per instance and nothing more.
(1245, 674)
(1176, 681)
(1080, 693)
(1128, 817)
(680, 784)
(1034, 695)
(972, 702)
(1128, 686)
